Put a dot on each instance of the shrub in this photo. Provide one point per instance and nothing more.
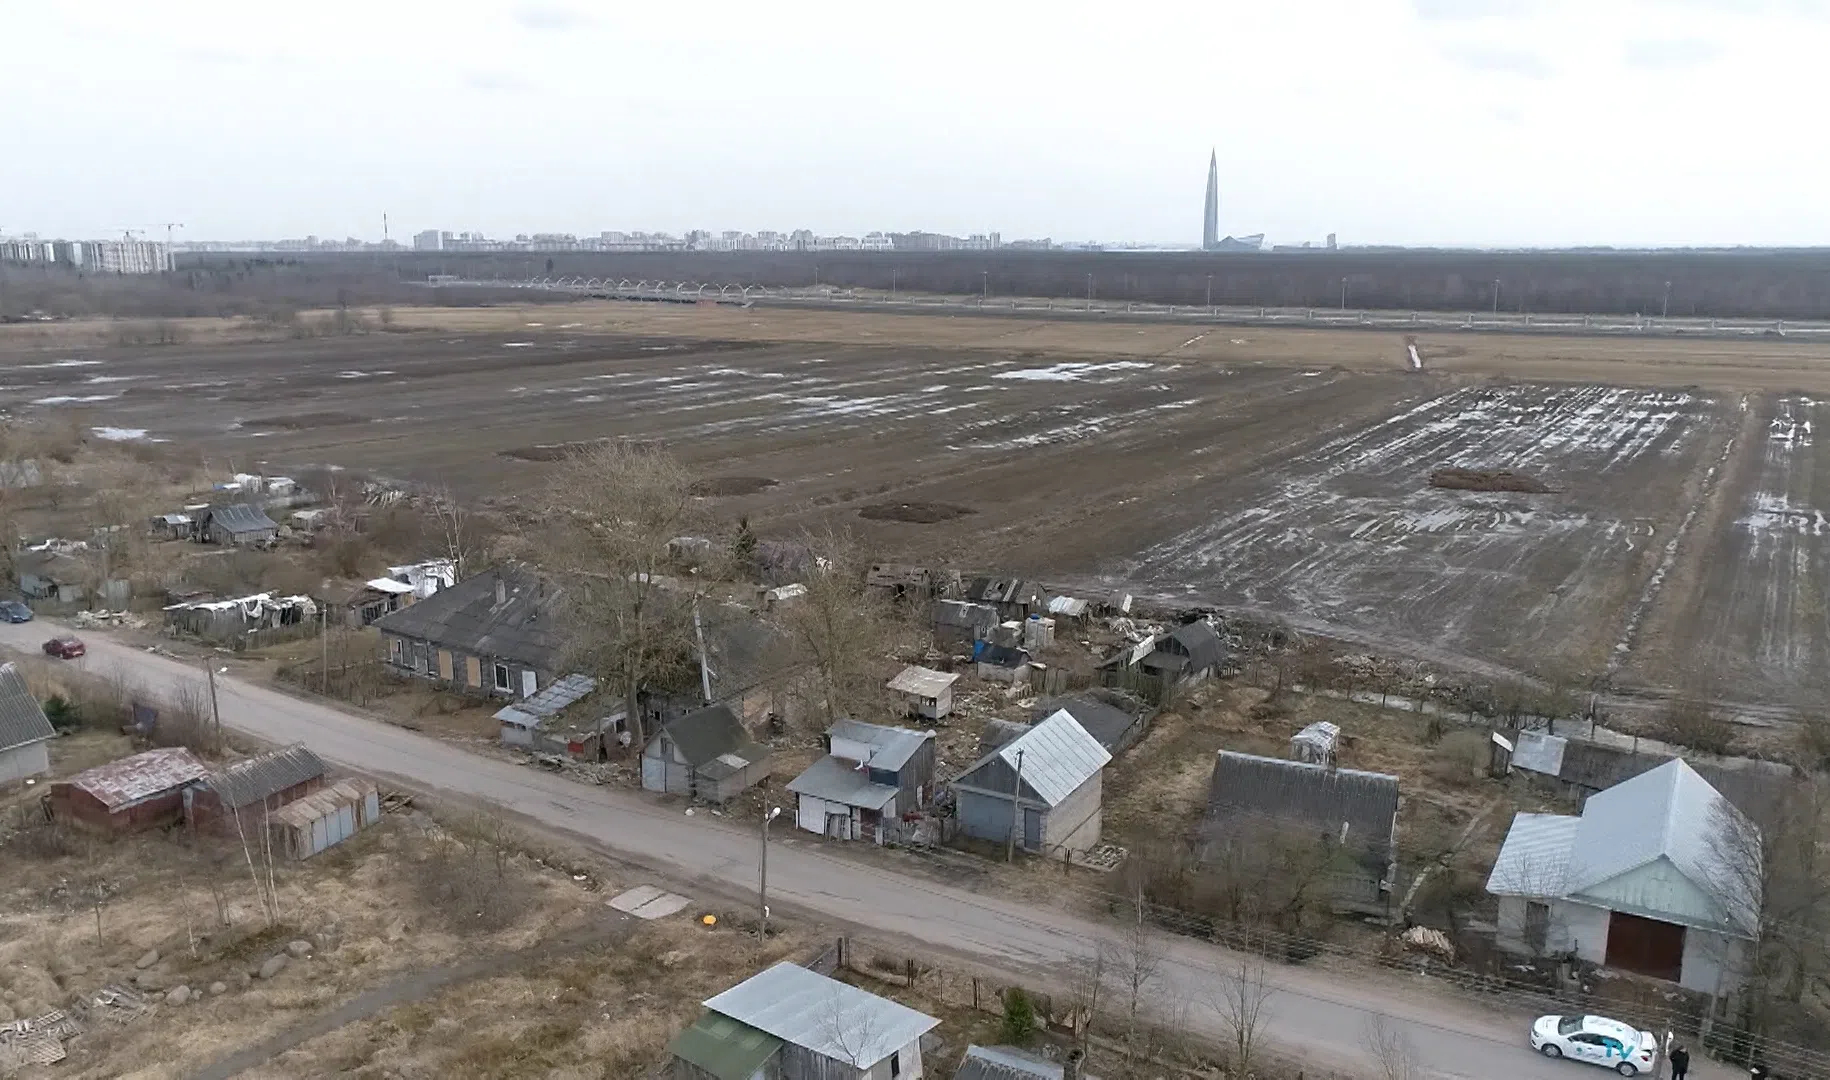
(64, 714)
(1019, 1017)
(1698, 726)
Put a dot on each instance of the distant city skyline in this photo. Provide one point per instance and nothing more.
(1467, 123)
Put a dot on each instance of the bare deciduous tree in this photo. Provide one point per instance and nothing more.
(1390, 1050)
(456, 529)
(1241, 1000)
(839, 628)
(611, 510)
(1136, 962)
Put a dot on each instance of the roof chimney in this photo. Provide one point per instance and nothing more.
(1070, 1065)
(501, 589)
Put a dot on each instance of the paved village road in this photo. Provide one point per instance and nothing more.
(1318, 1015)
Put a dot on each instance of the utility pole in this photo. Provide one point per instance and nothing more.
(762, 890)
(1210, 292)
(324, 639)
(1496, 296)
(1089, 292)
(984, 285)
(209, 669)
(1343, 294)
(892, 283)
(1016, 812)
(1667, 313)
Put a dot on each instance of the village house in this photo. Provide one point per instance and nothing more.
(245, 793)
(237, 525)
(1054, 772)
(356, 604)
(870, 777)
(1117, 720)
(705, 754)
(1189, 653)
(789, 1023)
(929, 693)
(1012, 1063)
(744, 664)
(25, 734)
(899, 581)
(1257, 801)
(1659, 876)
(494, 634)
(1578, 768)
(139, 792)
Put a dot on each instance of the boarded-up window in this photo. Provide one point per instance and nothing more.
(444, 664)
(473, 672)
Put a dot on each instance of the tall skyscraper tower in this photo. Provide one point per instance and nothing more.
(1210, 218)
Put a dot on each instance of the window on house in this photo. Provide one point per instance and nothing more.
(502, 677)
(895, 1065)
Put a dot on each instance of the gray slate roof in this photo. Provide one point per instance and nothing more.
(837, 780)
(466, 617)
(242, 518)
(1116, 728)
(22, 719)
(1248, 792)
(823, 1015)
(705, 734)
(1058, 757)
(1196, 647)
(248, 782)
(1007, 1063)
(894, 745)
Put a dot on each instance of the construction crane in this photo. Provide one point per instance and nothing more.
(168, 226)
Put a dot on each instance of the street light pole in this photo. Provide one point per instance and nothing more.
(1210, 291)
(1089, 292)
(984, 285)
(762, 890)
(1496, 296)
(892, 283)
(1667, 313)
(1016, 812)
(1343, 294)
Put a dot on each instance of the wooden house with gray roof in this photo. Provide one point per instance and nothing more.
(495, 634)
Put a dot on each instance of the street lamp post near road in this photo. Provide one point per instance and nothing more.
(1089, 292)
(1496, 296)
(762, 890)
(984, 285)
(1210, 291)
(1667, 313)
(1343, 294)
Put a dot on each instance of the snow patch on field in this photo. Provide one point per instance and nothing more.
(119, 434)
(1070, 371)
(74, 399)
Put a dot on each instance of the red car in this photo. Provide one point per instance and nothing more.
(65, 648)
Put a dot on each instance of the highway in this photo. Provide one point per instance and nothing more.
(1317, 1014)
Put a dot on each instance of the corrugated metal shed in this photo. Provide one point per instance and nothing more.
(558, 695)
(248, 782)
(121, 783)
(22, 719)
(325, 818)
(1058, 757)
(922, 682)
(1067, 606)
(892, 746)
(836, 780)
(1007, 1063)
(823, 1015)
(1534, 860)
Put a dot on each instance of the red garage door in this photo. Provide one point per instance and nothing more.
(1645, 946)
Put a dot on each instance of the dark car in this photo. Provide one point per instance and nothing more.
(14, 611)
(65, 648)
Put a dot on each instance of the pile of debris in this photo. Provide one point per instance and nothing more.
(90, 620)
(36, 1042)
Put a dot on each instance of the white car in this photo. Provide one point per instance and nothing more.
(1596, 1040)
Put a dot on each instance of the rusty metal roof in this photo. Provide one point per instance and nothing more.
(122, 783)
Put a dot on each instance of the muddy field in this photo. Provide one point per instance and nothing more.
(1290, 472)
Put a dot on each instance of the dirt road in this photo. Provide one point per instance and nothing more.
(1317, 1014)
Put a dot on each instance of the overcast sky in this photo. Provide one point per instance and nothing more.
(1493, 122)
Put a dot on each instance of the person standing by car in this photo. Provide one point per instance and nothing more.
(1680, 1062)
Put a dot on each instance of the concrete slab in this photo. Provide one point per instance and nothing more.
(649, 902)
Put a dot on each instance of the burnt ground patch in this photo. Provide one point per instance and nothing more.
(716, 486)
(915, 513)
